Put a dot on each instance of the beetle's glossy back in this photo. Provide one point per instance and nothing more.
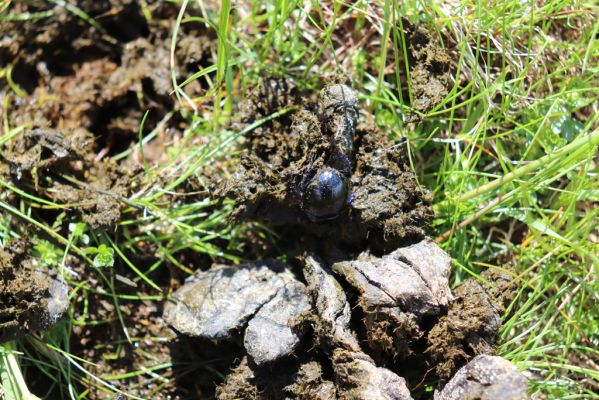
(326, 195)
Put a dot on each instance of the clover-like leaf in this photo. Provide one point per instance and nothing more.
(104, 255)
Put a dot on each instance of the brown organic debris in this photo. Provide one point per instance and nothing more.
(63, 169)
(334, 184)
(472, 322)
(31, 298)
(430, 75)
(239, 384)
(83, 90)
(310, 384)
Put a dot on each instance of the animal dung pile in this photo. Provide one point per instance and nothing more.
(324, 173)
(366, 312)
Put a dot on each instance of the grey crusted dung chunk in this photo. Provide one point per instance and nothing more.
(264, 295)
(485, 378)
(273, 332)
(216, 302)
(357, 377)
(330, 303)
(396, 291)
(432, 264)
(413, 278)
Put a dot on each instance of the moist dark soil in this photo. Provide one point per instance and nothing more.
(430, 72)
(64, 170)
(83, 93)
(471, 324)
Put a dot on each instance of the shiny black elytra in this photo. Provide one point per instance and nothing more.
(326, 195)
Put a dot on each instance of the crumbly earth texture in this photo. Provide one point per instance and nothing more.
(37, 158)
(471, 324)
(31, 298)
(430, 73)
(73, 96)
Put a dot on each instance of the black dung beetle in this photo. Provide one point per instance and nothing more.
(326, 195)
(326, 192)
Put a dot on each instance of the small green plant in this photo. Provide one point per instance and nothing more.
(103, 255)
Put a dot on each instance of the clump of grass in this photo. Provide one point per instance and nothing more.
(516, 183)
(509, 155)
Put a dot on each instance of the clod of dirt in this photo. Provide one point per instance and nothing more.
(283, 382)
(87, 87)
(39, 149)
(98, 79)
(430, 77)
(472, 323)
(485, 378)
(317, 168)
(30, 298)
(389, 207)
(397, 291)
(265, 296)
(239, 384)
